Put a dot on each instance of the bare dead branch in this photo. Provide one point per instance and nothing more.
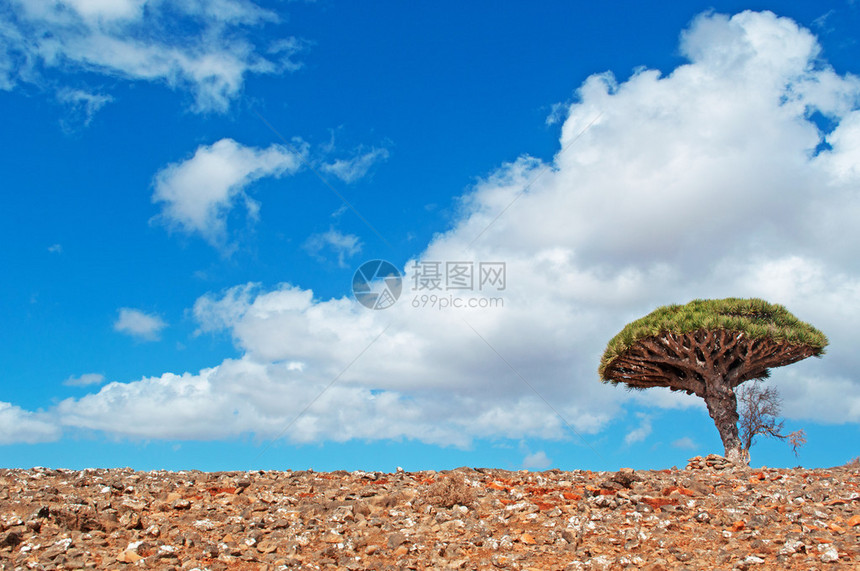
(759, 408)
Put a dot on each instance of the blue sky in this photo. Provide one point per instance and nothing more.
(189, 187)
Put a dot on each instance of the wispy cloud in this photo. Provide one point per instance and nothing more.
(82, 106)
(140, 325)
(557, 113)
(205, 47)
(685, 443)
(352, 169)
(641, 432)
(343, 245)
(537, 461)
(85, 380)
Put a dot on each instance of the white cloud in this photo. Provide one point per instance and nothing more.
(344, 245)
(55, 248)
(82, 104)
(700, 183)
(143, 326)
(354, 168)
(294, 347)
(557, 113)
(18, 426)
(428, 377)
(641, 432)
(537, 461)
(197, 194)
(85, 380)
(205, 47)
(215, 313)
(685, 443)
(106, 10)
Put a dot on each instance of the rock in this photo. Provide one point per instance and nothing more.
(712, 516)
(625, 477)
(133, 504)
(128, 557)
(711, 461)
(401, 551)
(180, 504)
(130, 520)
(791, 547)
(267, 546)
(828, 553)
(396, 540)
(11, 539)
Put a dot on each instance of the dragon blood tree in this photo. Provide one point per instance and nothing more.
(707, 348)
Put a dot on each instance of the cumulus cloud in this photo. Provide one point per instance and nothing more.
(138, 324)
(207, 48)
(197, 194)
(18, 426)
(85, 380)
(405, 385)
(711, 181)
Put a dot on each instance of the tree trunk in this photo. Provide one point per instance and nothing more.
(723, 408)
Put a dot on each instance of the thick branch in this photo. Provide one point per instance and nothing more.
(764, 354)
(683, 362)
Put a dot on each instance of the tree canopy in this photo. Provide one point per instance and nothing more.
(748, 335)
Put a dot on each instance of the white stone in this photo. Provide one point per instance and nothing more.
(828, 553)
(791, 546)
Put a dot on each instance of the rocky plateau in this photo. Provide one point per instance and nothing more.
(711, 515)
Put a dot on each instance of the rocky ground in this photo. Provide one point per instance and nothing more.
(709, 516)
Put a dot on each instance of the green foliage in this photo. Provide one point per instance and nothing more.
(755, 318)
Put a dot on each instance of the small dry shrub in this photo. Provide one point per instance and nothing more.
(449, 492)
(855, 463)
